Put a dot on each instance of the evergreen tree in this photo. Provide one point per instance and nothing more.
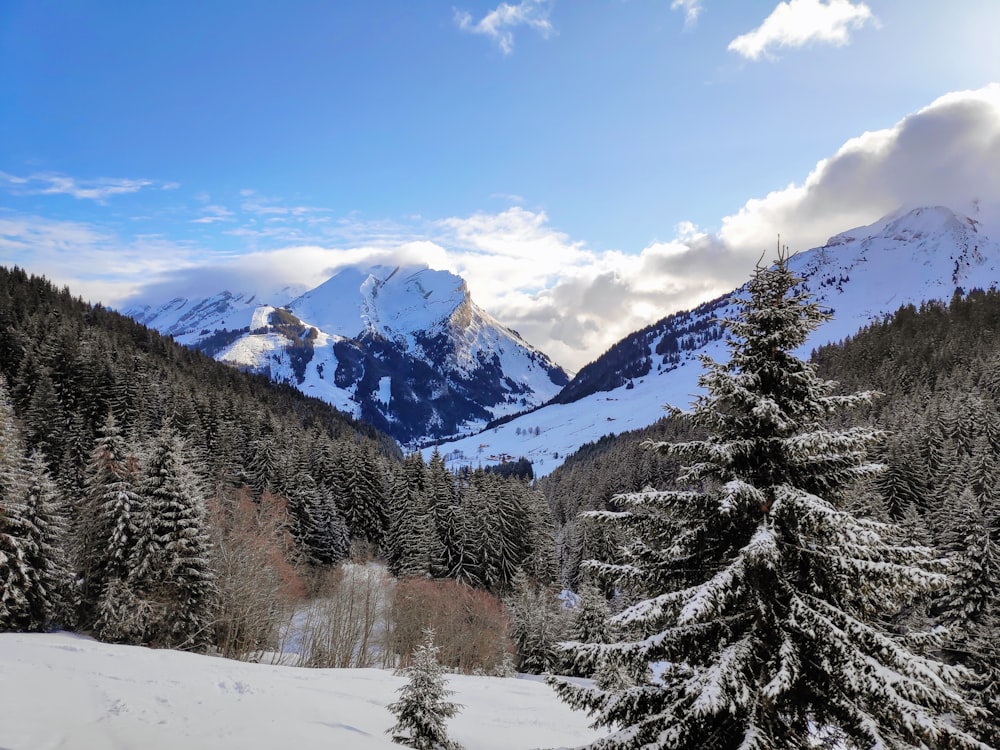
(52, 601)
(362, 499)
(17, 579)
(761, 600)
(317, 525)
(970, 608)
(109, 519)
(505, 528)
(539, 545)
(470, 545)
(410, 544)
(538, 623)
(423, 708)
(262, 464)
(591, 622)
(44, 419)
(174, 569)
(442, 496)
(896, 484)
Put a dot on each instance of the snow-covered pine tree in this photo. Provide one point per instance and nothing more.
(17, 579)
(262, 467)
(539, 543)
(504, 529)
(442, 496)
(364, 502)
(410, 542)
(538, 622)
(590, 625)
(174, 568)
(970, 607)
(316, 523)
(762, 602)
(35, 579)
(422, 709)
(43, 510)
(107, 524)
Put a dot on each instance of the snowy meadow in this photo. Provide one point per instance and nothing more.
(61, 691)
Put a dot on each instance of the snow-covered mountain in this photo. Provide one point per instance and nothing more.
(862, 275)
(403, 348)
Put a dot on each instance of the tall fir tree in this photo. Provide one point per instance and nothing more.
(316, 525)
(174, 568)
(53, 599)
(362, 499)
(761, 601)
(538, 622)
(442, 496)
(17, 578)
(109, 519)
(35, 578)
(504, 533)
(411, 545)
(970, 607)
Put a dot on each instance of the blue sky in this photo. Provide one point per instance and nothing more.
(614, 144)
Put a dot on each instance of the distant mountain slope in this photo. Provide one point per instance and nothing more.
(862, 275)
(402, 348)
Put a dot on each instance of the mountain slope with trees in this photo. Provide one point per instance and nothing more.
(862, 275)
(151, 495)
(936, 365)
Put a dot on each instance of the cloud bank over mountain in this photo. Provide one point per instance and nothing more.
(565, 297)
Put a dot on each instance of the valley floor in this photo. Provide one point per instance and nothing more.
(61, 691)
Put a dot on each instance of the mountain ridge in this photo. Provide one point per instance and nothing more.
(862, 275)
(404, 348)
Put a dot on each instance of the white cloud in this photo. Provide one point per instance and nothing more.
(936, 156)
(95, 263)
(570, 300)
(692, 9)
(255, 203)
(584, 301)
(98, 190)
(796, 23)
(213, 213)
(500, 22)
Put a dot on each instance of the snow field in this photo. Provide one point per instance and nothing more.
(62, 691)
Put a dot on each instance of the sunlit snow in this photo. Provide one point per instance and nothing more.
(65, 692)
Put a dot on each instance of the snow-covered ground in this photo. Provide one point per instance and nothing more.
(60, 691)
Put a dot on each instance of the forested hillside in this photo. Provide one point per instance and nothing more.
(936, 368)
(149, 494)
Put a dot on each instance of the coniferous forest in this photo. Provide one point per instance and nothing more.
(153, 496)
(810, 555)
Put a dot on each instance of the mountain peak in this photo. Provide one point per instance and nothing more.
(393, 302)
(402, 347)
(911, 223)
